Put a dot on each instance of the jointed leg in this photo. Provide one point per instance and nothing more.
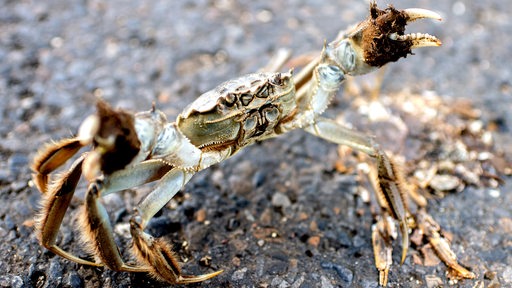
(57, 197)
(97, 230)
(55, 203)
(99, 235)
(157, 253)
(389, 179)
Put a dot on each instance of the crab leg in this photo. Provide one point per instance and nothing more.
(156, 253)
(401, 44)
(382, 232)
(99, 233)
(378, 40)
(57, 199)
(389, 177)
(55, 203)
(97, 230)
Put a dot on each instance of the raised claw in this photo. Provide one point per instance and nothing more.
(418, 40)
(381, 38)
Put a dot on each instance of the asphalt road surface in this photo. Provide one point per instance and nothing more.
(57, 56)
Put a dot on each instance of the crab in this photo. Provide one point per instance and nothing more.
(129, 150)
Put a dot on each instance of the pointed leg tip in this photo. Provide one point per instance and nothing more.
(405, 242)
(187, 279)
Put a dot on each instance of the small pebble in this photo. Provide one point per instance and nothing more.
(74, 280)
(259, 178)
(433, 281)
(12, 281)
(239, 185)
(298, 282)
(325, 282)
(358, 241)
(344, 239)
(239, 274)
(277, 281)
(55, 272)
(236, 261)
(494, 193)
(280, 200)
(201, 215)
(314, 241)
(507, 275)
(476, 126)
(16, 282)
(365, 283)
(9, 223)
(4, 281)
(490, 275)
(123, 230)
(345, 274)
(444, 182)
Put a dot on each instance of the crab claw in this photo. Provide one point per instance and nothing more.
(418, 39)
(382, 35)
(380, 39)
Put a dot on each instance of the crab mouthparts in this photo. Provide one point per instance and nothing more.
(418, 39)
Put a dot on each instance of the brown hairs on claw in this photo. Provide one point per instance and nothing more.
(379, 48)
(120, 125)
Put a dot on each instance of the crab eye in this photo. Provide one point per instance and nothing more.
(346, 56)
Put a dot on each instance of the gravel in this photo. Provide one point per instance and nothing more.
(57, 56)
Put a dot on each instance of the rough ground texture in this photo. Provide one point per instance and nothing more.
(278, 215)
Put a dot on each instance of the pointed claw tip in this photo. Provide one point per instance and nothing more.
(418, 39)
(427, 42)
(404, 255)
(405, 241)
(188, 279)
(419, 13)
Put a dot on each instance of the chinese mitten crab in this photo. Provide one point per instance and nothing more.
(131, 150)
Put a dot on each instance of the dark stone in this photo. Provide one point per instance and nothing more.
(74, 281)
(345, 274)
(259, 178)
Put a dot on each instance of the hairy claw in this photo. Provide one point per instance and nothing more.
(418, 40)
(381, 38)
